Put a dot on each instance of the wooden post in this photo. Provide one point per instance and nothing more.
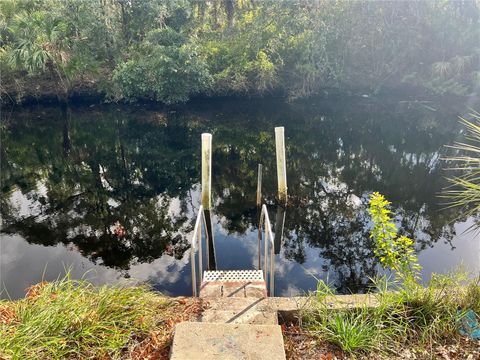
(259, 214)
(281, 165)
(207, 198)
(206, 171)
(259, 186)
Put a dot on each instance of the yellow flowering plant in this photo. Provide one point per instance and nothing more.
(395, 252)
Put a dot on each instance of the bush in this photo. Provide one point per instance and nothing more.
(394, 252)
(166, 68)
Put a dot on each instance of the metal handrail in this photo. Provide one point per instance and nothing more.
(269, 243)
(265, 223)
(197, 241)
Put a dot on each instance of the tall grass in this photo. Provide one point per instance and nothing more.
(70, 319)
(411, 315)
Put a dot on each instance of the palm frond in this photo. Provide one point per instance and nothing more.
(464, 189)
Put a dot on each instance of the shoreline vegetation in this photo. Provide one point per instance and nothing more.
(172, 51)
(74, 319)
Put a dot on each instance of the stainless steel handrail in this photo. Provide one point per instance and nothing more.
(265, 224)
(268, 253)
(197, 242)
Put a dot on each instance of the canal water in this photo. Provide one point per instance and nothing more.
(110, 192)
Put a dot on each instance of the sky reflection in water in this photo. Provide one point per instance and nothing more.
(113, 191)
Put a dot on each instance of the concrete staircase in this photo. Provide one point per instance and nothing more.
(238, 324)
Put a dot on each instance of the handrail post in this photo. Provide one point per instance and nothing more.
(265, 245)
(197, 241)
(272, 270)
(192, 261)
(268, 243)
(200, 254)
(281, 164)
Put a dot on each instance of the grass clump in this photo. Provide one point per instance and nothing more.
(410, 317)
(350, 330)
(353, 330)
(472, 297)
(76, 320)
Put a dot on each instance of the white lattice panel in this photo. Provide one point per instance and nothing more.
(233, 275)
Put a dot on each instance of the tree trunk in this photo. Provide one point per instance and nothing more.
(215, 14)
(230, 11)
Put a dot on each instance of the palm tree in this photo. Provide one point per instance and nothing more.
(45, 44)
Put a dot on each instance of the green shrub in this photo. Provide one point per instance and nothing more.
(394, 252)
(166, 69)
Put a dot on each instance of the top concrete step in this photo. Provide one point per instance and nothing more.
(233, 283)
(194, 341)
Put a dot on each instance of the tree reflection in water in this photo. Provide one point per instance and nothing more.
(118, 183)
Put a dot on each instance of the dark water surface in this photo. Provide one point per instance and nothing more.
(112, 191)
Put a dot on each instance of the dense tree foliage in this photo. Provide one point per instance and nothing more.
(169, 50)
(166, 67)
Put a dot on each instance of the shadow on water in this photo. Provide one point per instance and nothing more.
(119, 185)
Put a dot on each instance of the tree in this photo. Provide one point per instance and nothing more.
(167, 68)
(47, 43)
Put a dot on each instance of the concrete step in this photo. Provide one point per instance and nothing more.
(234, 303)
(236, 289)
(239, 311)
(233, 283)
(195, 340)
(247, 316)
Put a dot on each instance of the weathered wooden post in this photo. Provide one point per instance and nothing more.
(259, 186)
(281, 165)
(259, 211)
(207, 171)
(282, 186)
(207, 198)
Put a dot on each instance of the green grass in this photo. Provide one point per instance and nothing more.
(76, 320)
(410, 316)
(351, 330)
(472, 297)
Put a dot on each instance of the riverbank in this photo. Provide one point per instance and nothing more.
(173, 52)
(23, 90)
(74, 319)
(40, 91)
